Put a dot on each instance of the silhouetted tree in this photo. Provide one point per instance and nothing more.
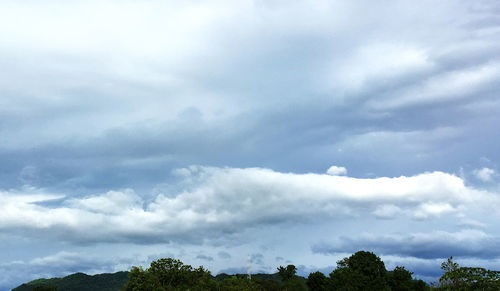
(287, 273)
(400, 279)
(450, 277)
(317, 281)
(361, 271)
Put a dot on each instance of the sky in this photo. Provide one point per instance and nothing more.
(247, 134)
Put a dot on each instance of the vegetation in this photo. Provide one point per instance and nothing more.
(362, 271)
(78, 282)
(467, 278)
(169, 274)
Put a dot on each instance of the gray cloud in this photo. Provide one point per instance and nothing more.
(402, 98)
(432, 245)
(129, 118)
(257, 259)
(224, 255)
(205, 258)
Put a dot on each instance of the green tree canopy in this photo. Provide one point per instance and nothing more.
(287, 273)
(468, 278)
(317, 281)
(169, 274)
(237, 283)
(401, 279)
(361, 271)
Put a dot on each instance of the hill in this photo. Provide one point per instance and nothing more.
(112, 282)
(79, 282)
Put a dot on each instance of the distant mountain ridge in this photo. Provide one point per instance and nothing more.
(79, 282)
(109, 281)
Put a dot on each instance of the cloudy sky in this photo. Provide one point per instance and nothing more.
(236, 133)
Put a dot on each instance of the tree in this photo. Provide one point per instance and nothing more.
(268, 284)
(169, 274)
(294, 284)
(201, 279)
(468, 279)
(449, 265)
(287, 273)
(346, 279)
(317, 281)
(141, 280)
(361, 271)
(400, 279)
(450, 277)
(236, 283)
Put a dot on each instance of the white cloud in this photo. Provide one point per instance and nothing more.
(471, 223)
(419, 142)
(447, 86)
(484, 174)
(229, 200)
(387, 211)
(433, 209)
(378, 62)
(336, 171)
(113, 202)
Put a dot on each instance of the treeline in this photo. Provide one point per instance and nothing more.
(363, 271)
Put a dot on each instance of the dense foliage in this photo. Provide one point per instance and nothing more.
(362, 271)
(169, 274)
(467, 278)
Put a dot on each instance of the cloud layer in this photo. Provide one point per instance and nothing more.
(432, 245)
(215, 201)
(106, 105)
(131, 96)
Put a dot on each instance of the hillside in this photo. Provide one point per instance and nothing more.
(110, 282)
(80, 282)
(114, 282)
